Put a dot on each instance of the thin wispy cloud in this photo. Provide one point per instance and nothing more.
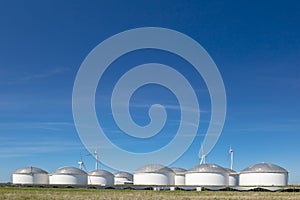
(37, 76)
(55, 126)
(282, 81)
(284, 127)
(42, 148)
(167, 106)
(13, 147)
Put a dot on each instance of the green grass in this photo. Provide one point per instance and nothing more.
(110, 194)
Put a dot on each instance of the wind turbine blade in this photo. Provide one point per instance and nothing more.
(202, 155)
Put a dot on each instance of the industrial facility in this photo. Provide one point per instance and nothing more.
(154, 174)
(121, 178)
(212, 175)
(202, 175)
(30, 175)
(263, 174)
(207, 174)
(179, 175)
(100, 177)
(233, 177)
(68, 176)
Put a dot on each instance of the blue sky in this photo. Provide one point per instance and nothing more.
(256, 46)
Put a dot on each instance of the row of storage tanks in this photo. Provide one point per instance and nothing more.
(262, 174)
(70, 176)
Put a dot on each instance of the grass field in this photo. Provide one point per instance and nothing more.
(75, 194)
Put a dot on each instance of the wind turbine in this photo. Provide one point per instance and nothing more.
(203, 156)
(96, 154)
(231, 157)
(81, 163)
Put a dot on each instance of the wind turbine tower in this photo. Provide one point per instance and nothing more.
(203, 156)
(81, 163)
(96, 154)
(231, 157)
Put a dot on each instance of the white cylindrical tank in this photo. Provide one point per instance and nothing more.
(100, 177)
(154, 174)
(30, 175)
(50, 178)
(233, 178)
(263, 174)
(207, 175)
(121, 178)
(179, 175)
(69, 176)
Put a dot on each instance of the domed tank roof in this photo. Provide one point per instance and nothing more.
(69, 170)
(230, 171)
(123, 175)
(178, 170)
(207, 168)
(99, 172)
(30, 170)
(153, 168)
(263, 167)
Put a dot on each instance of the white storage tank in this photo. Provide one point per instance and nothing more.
(263, 174)
(154, 174)
(207, 175)
(233, 178)
(50, 178)
(30, 175)
(179, 175)
(121, 178)
(100, 177)
(69, 176)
